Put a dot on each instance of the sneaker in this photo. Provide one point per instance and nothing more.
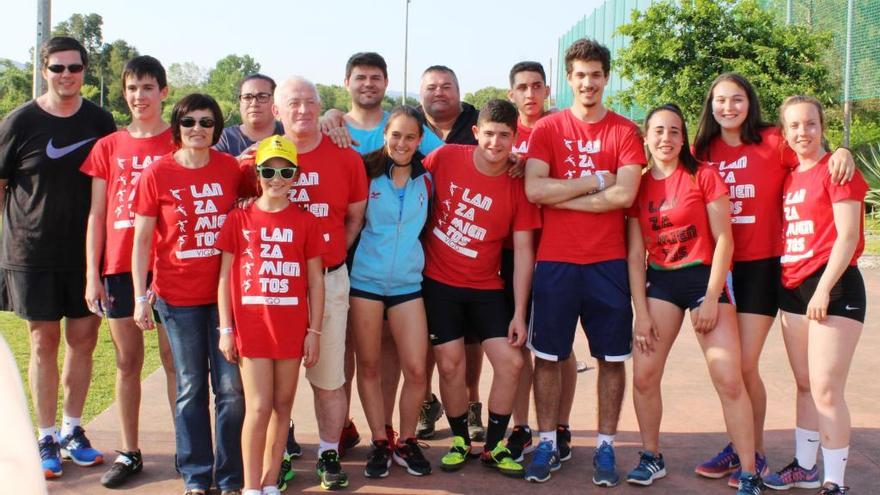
(349, 438)
(391, 436)
(761, 468)
(724, 463)
(651, 467)
(330, 471)
(379, 460)
(545, 460)
(431, 412)
(77, 448)
(231, 491)
(293, 449)
(830, 488)
(50, 457)
(749, 484)
(127, 464)
(563, 442)
(286, 473)
(519, 442)
(476, 430)
(604, 470)
(793, 476)
(501, 459)
(457, 455)
(409, 455)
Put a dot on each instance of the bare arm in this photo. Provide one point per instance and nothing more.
(315, 269)
(332, 125)
(842, 166)
(847, 223)
(620, 195)
(542, 190)
(706, 315)
(144, 227)
(224, 309)
(95, 238)
(523, 266)
(354, 220)
(644, 332)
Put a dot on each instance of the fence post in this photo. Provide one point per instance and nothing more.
(847, 75)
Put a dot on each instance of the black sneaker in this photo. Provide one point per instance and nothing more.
(127, 464)
(519, 442)
(293, 449)
(432, 411)
(409, 455)
(830, 488)
(563, 442)
(476, 430)
(330, 471)
(379, 460)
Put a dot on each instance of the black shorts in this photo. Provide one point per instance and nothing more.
(43, 295)
(456, 312)
(847, 299)
(756, 285)
(388, 301)
(685, 287)
(119, 288)
(507, 276)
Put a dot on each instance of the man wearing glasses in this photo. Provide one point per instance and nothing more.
(257, 122)
(45, 202)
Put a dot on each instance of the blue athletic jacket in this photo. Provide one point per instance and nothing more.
(388, 259)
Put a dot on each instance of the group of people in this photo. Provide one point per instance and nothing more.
(385, 243)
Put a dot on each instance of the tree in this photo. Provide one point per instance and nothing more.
(87, 29)
(185, 75)
(333, 96)
(482, 96)
(222, 83)
(116, 55)
(15, 86)
(677, 48)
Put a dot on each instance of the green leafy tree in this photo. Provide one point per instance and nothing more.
(677, 48)
(183, 79)
(88, 30)
(482, 96)
(116, 55)
(15, 86)
(222, 83)
(333, 96)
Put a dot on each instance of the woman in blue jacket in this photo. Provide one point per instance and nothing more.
(386, 281)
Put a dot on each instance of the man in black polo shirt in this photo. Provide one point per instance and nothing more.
(45, 201)
(450, 118)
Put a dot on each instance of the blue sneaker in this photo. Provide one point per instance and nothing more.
(793, 476)
(761, 468)
(750, 484)
(50, 457)
(545, 460)
(77, 448)
(604, 471)
(651, 467)
(724, 463)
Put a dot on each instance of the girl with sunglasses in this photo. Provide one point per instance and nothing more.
(272, 286)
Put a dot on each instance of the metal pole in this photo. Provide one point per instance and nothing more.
(44, 15)
(405, 52)
(847, 75)
(788, 12)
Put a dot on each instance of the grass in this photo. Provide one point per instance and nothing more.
(872, 234)
(101, 393)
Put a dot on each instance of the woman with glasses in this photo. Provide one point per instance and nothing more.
(183, 199)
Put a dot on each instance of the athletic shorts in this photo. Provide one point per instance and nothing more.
(329, 372)
(388, 301)
(43, 295)
(507, 276)
(119, 288)
(756, 286)
(847, 299)
(455, 312)
(685, 287)
(597, 294)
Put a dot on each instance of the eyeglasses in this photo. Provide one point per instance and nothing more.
(205, 122)
(72, 68)
(250, 97)
(270, 173)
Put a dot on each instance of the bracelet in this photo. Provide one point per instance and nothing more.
(225, 330)
(312, 330)
(601, 180)
(141, 298)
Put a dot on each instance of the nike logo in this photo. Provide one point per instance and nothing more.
(812, 441)
(56, 153)
(851, 308)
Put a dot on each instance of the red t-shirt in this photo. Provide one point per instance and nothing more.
(190, 206)
(269, 278)
(472, 215)
(331, 178)
(120, 159)
(673, 218)
(755, 174)
(809, 230)
(575, 149)
(521, 144)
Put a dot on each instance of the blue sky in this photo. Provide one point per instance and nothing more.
(479, 39)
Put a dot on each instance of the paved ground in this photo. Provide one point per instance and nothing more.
(692, 429)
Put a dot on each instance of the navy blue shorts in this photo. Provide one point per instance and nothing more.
(597, 294)
(685, 287)
(119, 288)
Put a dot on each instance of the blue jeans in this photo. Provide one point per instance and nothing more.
(192, 333)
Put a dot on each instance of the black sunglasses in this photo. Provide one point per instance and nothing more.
(270, 173)
(205, 122)
(72, 68)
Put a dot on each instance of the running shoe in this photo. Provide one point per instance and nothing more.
(379, 460)
(77, 448)
(409, 455)
(349, 438)
(604, 470)
(457, 455)
(391, 436)
(651, 467)
(501, 459)
(545, 460)
(830, 488)
(749, 484)
(724, 463)
(50, 457)
(286, 473)
(519, 442)
(293, 449)
(126, 465)
(330, 471)
(476, 430)
(793, 476)
(761, 468)
(432, 411)
(563, 442)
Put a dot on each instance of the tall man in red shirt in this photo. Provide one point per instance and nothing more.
(333, 186)
(581, 262)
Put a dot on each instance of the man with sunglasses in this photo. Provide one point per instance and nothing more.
(257, 121)
(45, 201)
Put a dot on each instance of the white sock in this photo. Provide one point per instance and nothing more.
(806, 447)
(548, 436)
(68, 424)
(270, 490)
(601, 438)
(835, 464)
(252, 492)
(322, 446)
(50, 431)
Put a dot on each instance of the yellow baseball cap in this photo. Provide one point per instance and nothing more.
(276, 147)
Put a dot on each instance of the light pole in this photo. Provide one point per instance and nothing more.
(405, 50)
(44, 10)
